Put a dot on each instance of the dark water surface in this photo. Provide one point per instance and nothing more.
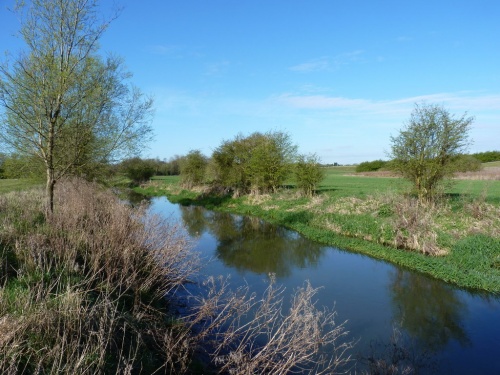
(444, 329)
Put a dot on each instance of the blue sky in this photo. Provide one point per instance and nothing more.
(340, 77)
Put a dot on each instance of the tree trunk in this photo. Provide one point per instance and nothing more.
(49, 192)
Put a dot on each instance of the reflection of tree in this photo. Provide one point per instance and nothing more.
(429, 310)
(194, 219)
(136, 199)
(248, 243)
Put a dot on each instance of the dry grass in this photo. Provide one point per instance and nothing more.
(487, 173)
(415, 228)
(83, 292)
(86, 294)
(256, 336)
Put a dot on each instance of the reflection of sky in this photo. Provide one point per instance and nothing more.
(362, 291)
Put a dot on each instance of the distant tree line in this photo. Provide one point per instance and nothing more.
(487, 157)
(21, 166)
(460, 163)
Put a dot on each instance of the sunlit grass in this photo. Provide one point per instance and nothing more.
(7, 185)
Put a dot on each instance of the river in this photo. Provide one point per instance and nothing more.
(443, 329)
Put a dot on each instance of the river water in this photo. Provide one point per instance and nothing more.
(442, 329)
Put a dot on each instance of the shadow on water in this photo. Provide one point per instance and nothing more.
(132, 198)
(206, 201)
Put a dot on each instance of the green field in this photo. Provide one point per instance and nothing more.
(344, 182)
(7, 185)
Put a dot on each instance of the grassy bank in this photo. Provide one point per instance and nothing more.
(456, 240)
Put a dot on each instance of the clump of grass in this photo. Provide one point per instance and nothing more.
(414, 226)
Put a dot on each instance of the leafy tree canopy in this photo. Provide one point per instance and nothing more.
(424, 150)
(63, 102)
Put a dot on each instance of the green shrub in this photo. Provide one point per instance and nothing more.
(466, 163)
(488, 156)
(308, 174)
(370, 166)
(137, 169)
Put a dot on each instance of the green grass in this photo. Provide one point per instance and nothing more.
(475, 189)
(7, 185)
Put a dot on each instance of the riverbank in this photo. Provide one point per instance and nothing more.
(373, 216)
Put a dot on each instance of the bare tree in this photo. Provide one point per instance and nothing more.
(63, 102)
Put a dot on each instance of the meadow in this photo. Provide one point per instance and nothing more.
(8, 185)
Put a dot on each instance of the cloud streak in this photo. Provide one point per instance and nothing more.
(328, 63)
(463, 101)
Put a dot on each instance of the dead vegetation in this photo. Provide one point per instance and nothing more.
(87, 292)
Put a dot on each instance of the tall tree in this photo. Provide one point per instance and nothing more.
(425, 149)
(63, 102)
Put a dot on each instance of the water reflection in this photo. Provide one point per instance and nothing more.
(251, 244)
(430, 311)
(136, 199)
(194, 219)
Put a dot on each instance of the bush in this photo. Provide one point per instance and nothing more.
(466, 163)
(370, 166)
(258, 163)
(87, 293)
(308, 174)
(192, 169)
(426, 147)
(137, 169)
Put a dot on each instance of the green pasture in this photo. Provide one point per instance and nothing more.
(7, 185)
(343, 181)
